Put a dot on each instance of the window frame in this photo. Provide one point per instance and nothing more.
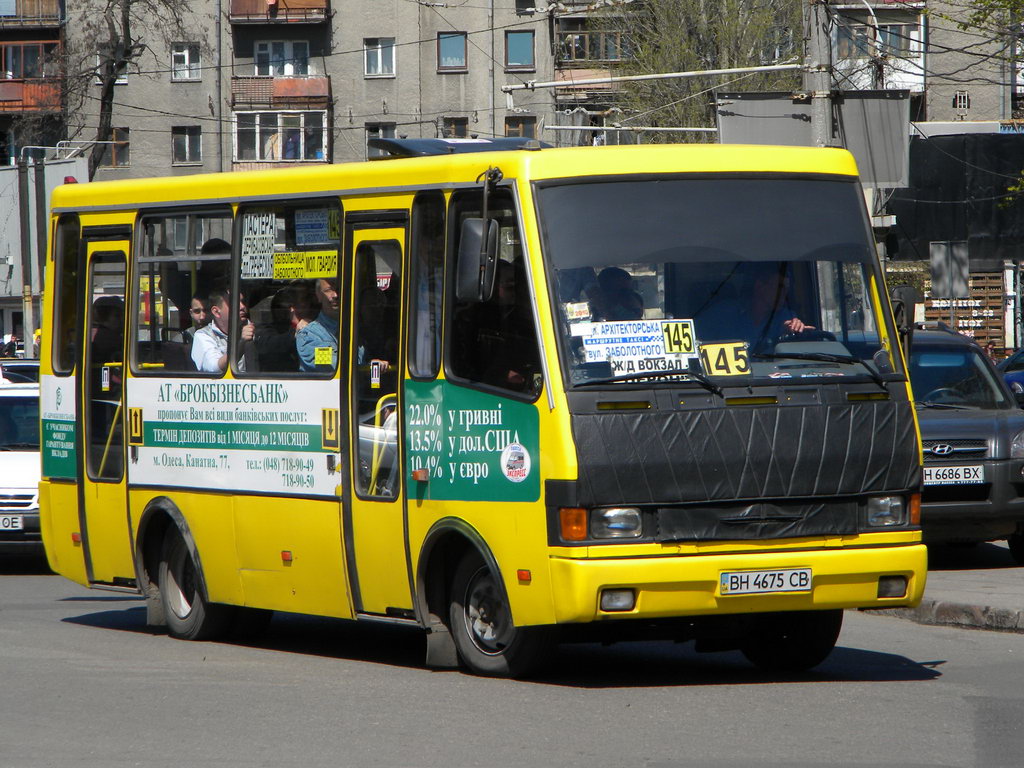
(188, 131)
(280, 130)
(190, 253)
(374, 45)
(190, 64)
(532, 66)
(421, 263)
(287, 61)
(383, 131)
(121, 146)
(522, 121)
(236, 281)
(67, 303)
(453, 35)
(458, 202)
(455, 123)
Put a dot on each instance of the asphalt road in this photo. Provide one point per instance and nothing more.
(84, 683)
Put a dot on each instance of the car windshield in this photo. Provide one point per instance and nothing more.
(954, 377)
(761, 277)
(19, 423)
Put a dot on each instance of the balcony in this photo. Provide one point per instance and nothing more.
(29, 13)
(32, 95)
(278, 11)
(280, 92)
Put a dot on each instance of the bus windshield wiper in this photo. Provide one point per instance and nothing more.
(825, 357)
(691, 376)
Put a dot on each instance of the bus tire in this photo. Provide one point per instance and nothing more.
(189, 615)
(792, 642)
(1016, 542)
(488, 642)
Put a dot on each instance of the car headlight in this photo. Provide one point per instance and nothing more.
(1017, 387)
(1017, 446)
(886, 511)
(616, 523)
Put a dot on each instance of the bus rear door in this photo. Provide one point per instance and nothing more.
(375, 522)
(102, 494)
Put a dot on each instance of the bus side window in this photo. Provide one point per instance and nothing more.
(427, 288)
(495, 342)
(288, 281)
(183, 257)
(65, 305)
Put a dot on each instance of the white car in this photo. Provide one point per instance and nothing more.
(19, 469)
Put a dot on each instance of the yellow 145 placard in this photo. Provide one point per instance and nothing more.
(728, 359)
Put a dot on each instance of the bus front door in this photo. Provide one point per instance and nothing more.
(375, 522)
(103, 501)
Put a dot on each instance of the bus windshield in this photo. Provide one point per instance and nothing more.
(764, 277)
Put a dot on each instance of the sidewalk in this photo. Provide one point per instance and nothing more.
(980, 587)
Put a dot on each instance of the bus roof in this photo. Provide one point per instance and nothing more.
(451, 169)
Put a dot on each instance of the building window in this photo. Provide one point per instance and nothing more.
(103, 58)
(186, 63)
(28, 60)
(962, 100)
(282, 58)
(853, 42)
(577, 43)
(118, 154)
(261, 136)
(451, 51)
(521, 126)
(898, 40)
(186, 144)
(519, 50)
(455, 127)
(379, 55)
(378, 131)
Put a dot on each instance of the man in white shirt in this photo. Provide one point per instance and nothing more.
(210, 345)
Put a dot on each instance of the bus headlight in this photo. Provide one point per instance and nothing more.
(886, 511)
(615, 523)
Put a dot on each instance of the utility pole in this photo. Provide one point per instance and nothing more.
(28, 326)
(817, 74)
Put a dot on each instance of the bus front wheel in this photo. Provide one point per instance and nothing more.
(792, 642)
(487, 640)
(189, 616)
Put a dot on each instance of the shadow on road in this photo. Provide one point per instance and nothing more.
(966, 557)
(590, 665)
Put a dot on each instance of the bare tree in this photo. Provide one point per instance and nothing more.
(107, 41)
(688, 35)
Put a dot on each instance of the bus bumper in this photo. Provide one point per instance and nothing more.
(691, 585)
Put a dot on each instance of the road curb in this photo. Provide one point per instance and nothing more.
(944, 613)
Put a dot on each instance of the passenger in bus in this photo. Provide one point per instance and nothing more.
(210, 345)
(616, 298)
(199, 315)
(291, 309)
(317, 342)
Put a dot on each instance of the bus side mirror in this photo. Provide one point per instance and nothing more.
(905, 299)
(477, 261)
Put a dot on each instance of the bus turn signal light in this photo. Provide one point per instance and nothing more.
(421, 475)
(573, 523)
(915, 509)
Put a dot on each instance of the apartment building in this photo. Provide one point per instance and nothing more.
(30, 89)
(248, 84)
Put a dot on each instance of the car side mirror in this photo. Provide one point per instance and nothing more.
(477, 260)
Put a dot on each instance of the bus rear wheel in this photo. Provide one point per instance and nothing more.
(487, 640)
(792, 642)
(189, 616)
